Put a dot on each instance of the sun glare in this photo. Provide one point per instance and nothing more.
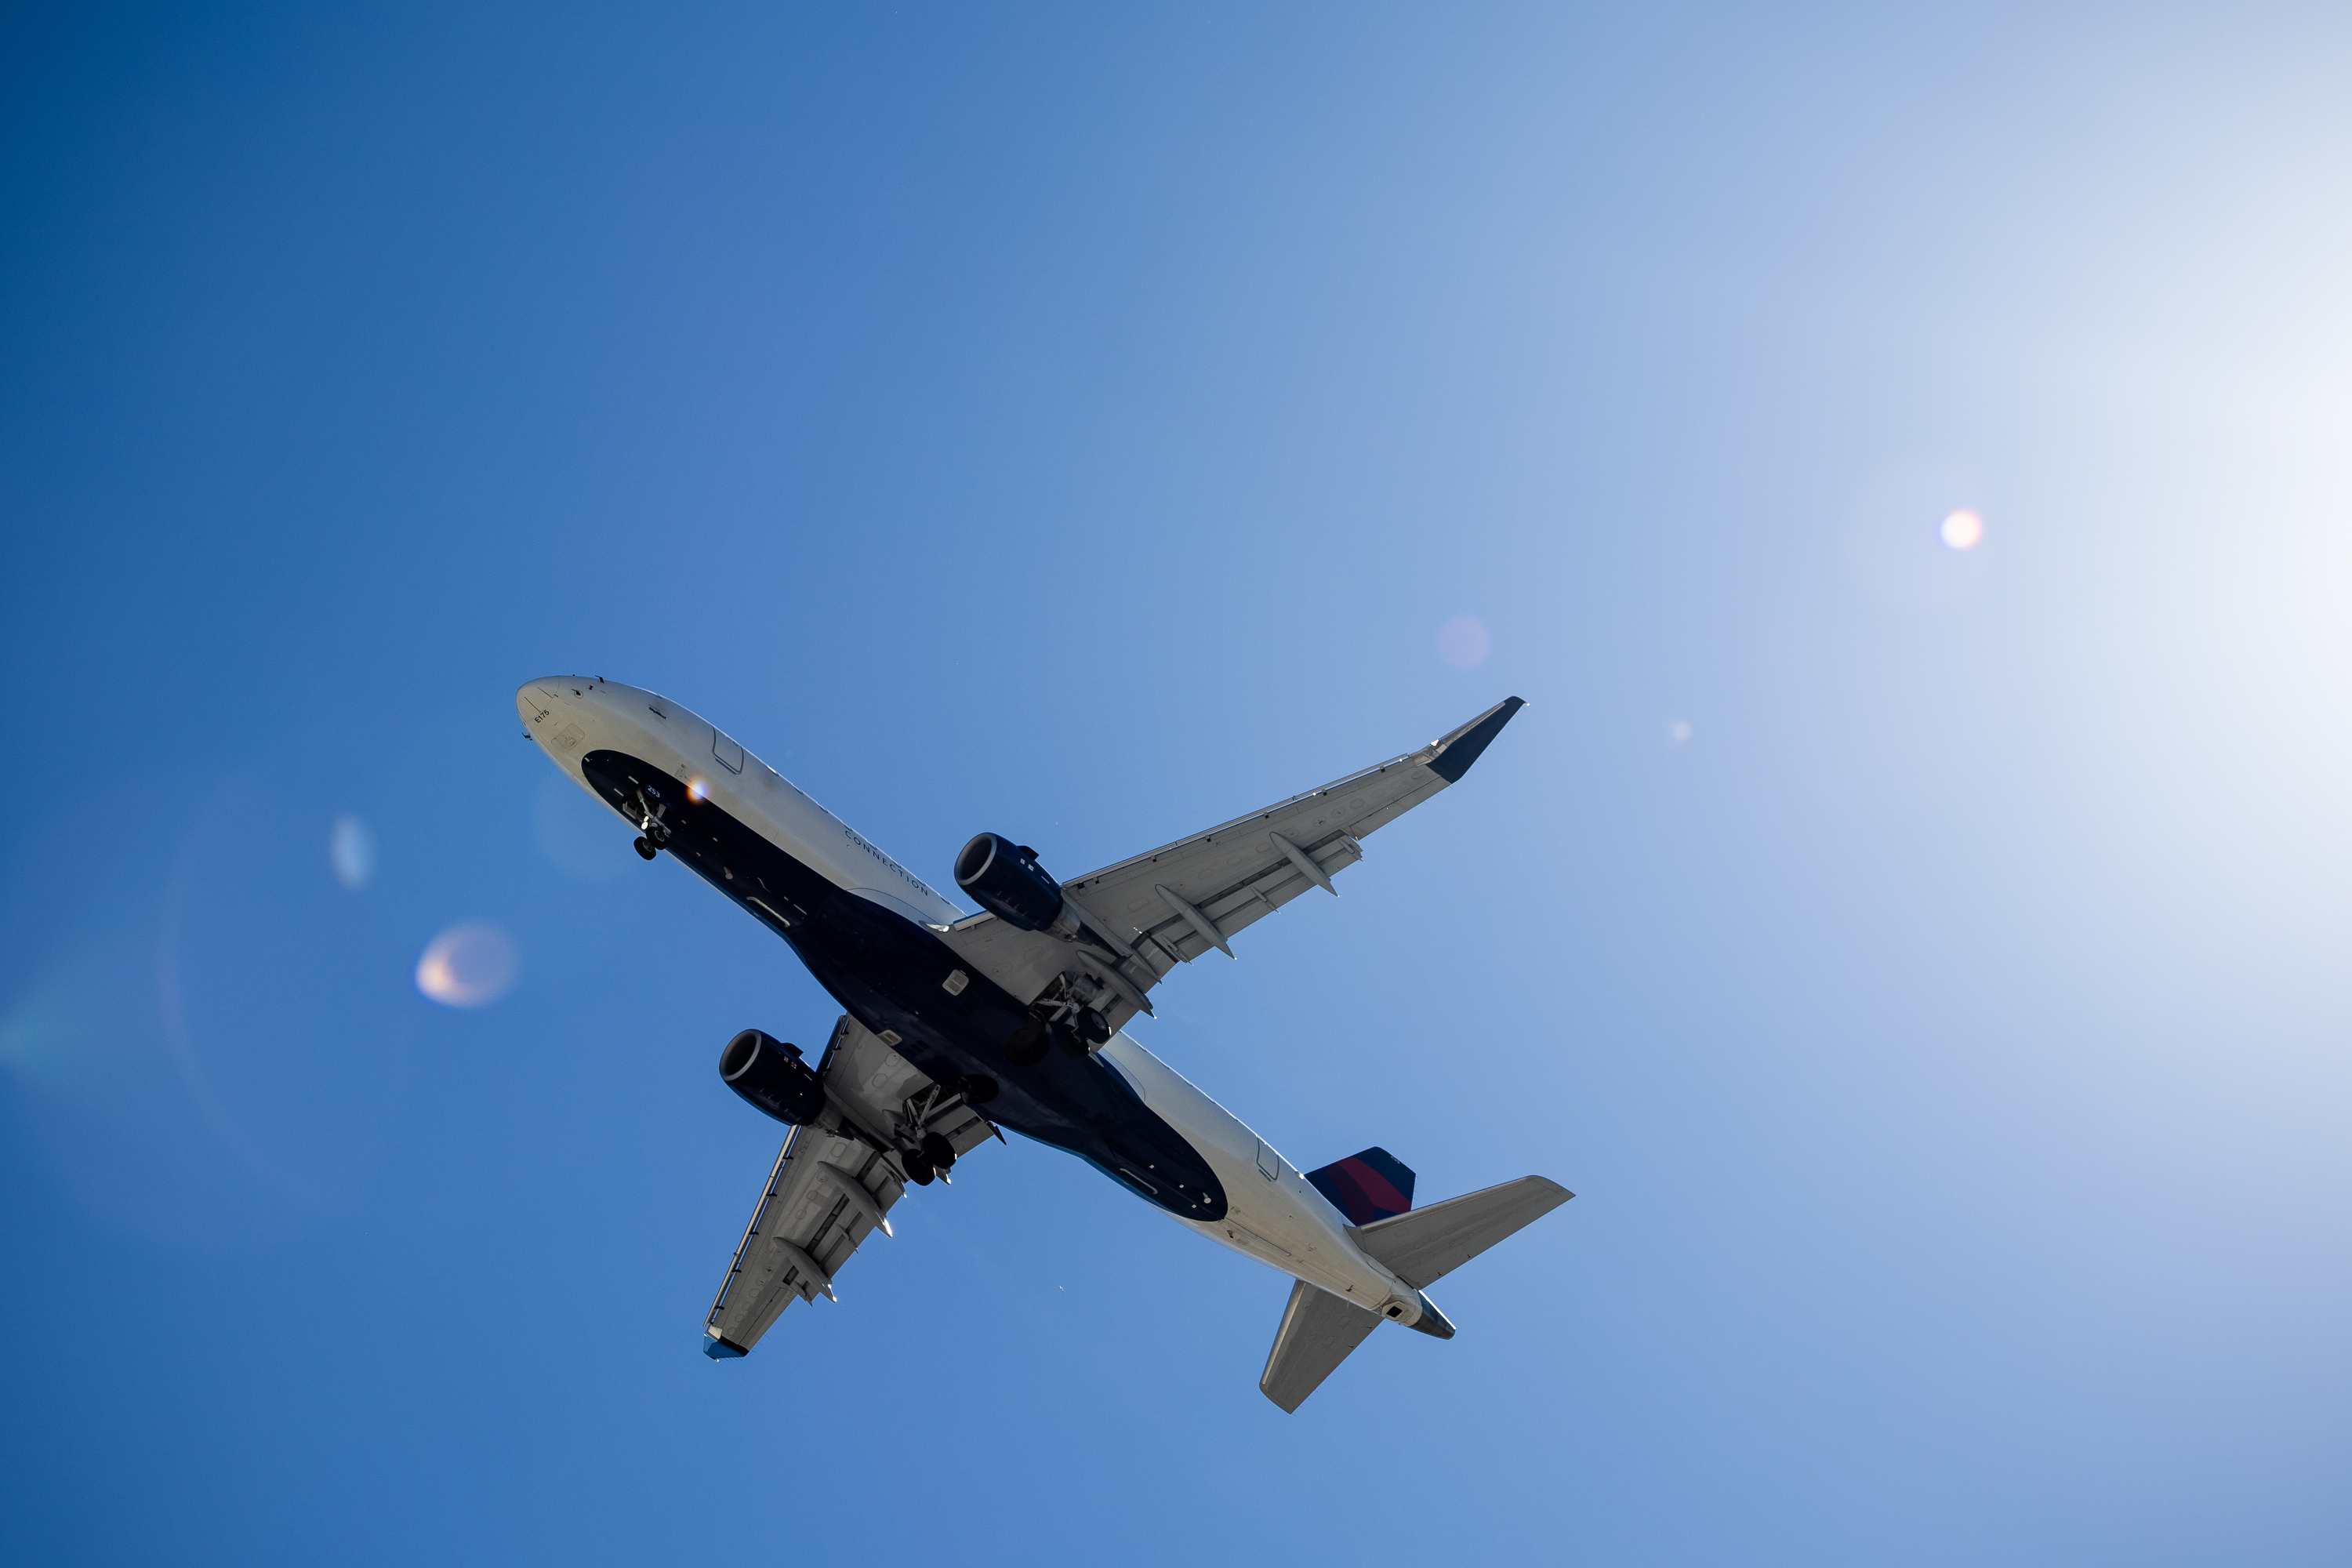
(1962, 530)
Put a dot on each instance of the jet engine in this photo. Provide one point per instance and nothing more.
(772, 1077)
(1005, 880)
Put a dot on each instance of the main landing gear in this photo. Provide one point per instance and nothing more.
(936, 1157)
(931, 1155)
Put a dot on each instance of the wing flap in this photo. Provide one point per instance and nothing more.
(826, 1194)
(1236, 873)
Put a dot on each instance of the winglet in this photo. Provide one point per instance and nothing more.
(718, 1349)
(1456, 752)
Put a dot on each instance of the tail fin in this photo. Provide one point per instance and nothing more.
(1366, 1187)
(1317, 1331)
(1419, 1246)
(1423, 1247)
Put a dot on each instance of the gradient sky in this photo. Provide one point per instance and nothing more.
(1089, 424)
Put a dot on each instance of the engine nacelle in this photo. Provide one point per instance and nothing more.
(771, 1075)
(1006, 880)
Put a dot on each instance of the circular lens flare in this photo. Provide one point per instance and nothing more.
(1962, 530)
(1464, 643)
(469, 965)
(351, 850)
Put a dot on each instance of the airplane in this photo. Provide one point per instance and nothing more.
(957, 1026)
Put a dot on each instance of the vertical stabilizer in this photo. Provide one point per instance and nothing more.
(1366, 1188)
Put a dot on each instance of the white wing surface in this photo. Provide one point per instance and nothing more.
(1173, 904)
(834, 1184)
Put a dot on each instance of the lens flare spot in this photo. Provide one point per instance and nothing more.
(1962, 530)
(697, 791)
(351, 850)
(469, 965)
(1680, 730)
(1464, 643)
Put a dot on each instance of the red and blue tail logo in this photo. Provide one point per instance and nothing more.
(1374, 1185)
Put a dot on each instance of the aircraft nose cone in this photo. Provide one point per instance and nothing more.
(540, 701)
(534, 699)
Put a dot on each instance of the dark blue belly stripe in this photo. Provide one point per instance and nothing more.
(886, 971)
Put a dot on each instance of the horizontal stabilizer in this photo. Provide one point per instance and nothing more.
(1425, 1246)
(1317, 1331)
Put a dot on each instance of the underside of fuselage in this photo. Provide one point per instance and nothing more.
(896, 977)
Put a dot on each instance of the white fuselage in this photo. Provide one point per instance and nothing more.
(1272, 1214)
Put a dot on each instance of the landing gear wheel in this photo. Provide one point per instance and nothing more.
(938, 1152)
(1093, 1027)
(918, 1167)
(1027, 1045)
(646, 849)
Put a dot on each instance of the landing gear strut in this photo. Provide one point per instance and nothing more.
(923, 1153)
(936, 1157)
(654, 832)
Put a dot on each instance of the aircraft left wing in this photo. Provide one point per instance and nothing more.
(834, 1184)
(1156, 910)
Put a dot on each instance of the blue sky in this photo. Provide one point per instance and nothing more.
(1926, 966)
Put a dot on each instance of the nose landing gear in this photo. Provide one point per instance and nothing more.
(653, 833)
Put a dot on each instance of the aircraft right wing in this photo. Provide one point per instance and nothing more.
(835, 1181)
(1155, 911)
